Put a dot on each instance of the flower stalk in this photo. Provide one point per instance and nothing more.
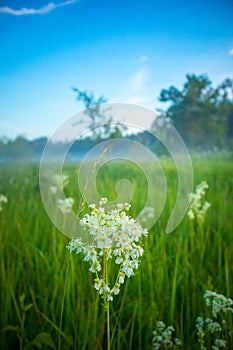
(115, 238)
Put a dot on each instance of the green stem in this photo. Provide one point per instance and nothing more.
(108, 327)
(105, 271)
(23, 330)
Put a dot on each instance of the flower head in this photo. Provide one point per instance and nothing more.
(163, 337)
(197, 209)
(59, 182)
(215, 328)
(65, 205)
(218, 303)
(3, 199)
(114, 236)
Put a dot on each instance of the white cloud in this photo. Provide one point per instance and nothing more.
(231, 52)
(137, 89)
(144, 58)
(137, 100)
(138, 80)
(31, 11)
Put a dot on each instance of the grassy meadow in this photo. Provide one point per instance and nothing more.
(175, 271)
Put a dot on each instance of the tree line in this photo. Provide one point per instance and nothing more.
(202, 114)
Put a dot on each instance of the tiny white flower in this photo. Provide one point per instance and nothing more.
(208, 327)
(121, 278)
(60, 180)
(127, 206)
(109, 297)
(103, 201)
(53, 189)
(191, 214)
(163, 337)
(65, 205)
(198, 209)
(3, 199)
(118, 260)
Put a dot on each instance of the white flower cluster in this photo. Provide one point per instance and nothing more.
(197, 209)
(3, 199)
(66, 204)
(59, 182)
(148, 213)
(220, 305)
(114, 236)
(163, 337)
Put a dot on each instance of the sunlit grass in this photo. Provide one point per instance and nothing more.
(175, 270)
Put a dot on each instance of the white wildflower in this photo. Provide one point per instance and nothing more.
(3, 199)
(118, 260)
(53, 189)
(163, 337)
(76, 245)
(98, 283)
(200, 322)
(127, 206)
(208, 328)
(121, 278)
(218, 302)
(61, 180)
(65, 205)
(114, 236)
(148, 213)
(212, 326)
(198, 209)
(219, 343)
(102, 201)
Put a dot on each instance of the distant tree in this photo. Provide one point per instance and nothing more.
(3, 145)
(101, 125)
(203, 115)
(38, 145)
(19, 148)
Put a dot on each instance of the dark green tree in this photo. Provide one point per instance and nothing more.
(203, 115)
(100, 121)
(18, 149)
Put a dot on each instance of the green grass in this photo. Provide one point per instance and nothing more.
(175, 270)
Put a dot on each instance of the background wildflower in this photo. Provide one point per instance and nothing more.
(59, 182)
(3, 199)
(163, 337)
(65, 205)
(215, 333)
(198, 208)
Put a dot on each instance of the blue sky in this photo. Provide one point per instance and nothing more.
(126, 50)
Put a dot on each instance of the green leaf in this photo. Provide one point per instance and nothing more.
(21, 300)
(10, 328)
(40, 340)
(27, 307)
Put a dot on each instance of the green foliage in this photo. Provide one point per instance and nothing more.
(39, 341)
(18, 149)
(203, 115)
(100, 121)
